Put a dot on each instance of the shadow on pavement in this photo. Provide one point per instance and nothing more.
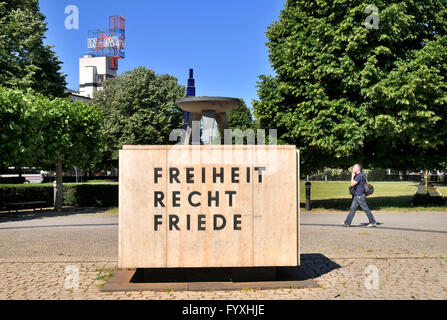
(312, 266)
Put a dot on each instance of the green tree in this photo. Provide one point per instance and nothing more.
(240, 117)
(344, 93)
(25, 62)
(69, 136)
(239, 120)
(48, 133)
(139, 108)
(17, 123)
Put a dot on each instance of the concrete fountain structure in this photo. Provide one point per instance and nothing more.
(194, 217)
(208, 109)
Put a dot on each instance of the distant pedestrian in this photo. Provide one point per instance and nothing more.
(358, 181)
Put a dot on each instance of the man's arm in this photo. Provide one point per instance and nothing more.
(353, 181)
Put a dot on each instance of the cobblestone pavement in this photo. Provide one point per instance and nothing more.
(408, 252)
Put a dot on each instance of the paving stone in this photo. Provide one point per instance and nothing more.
(409, 252)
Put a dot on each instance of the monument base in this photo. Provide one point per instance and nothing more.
(208, 206)
(203, 279)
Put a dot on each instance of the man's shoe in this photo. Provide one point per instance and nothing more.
(371, 225)
(345, 225)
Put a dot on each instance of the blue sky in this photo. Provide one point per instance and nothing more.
(224, 41)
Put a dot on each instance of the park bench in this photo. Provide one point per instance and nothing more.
(25, 205)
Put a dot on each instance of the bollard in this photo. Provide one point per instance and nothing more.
(308, 206)
(54, 192)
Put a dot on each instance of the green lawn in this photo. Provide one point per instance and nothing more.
(388, 196)
(442, 189)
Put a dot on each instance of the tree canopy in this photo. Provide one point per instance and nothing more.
(240, 117)
(48, 133)
(17, 121)
(139, 108)
(344, 93)
(25, 62)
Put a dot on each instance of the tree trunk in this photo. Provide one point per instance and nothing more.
(426, 181)
(59, 187)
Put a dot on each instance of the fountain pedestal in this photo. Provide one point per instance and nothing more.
(209, 109)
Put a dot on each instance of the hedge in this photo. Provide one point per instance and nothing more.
(12, 180)
(427, 200)
(24, 193)
(72, 179)
(79, 195)
(91, 195)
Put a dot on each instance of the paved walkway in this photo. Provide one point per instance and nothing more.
(408, 253)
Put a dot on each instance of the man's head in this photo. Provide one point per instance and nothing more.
(357, 168)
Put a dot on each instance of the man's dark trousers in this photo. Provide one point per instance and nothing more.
(356, 202)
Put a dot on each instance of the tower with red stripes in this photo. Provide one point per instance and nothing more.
(105, 48)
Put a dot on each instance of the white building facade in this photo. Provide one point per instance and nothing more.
(93, 71)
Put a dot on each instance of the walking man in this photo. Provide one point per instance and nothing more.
(358, 181)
